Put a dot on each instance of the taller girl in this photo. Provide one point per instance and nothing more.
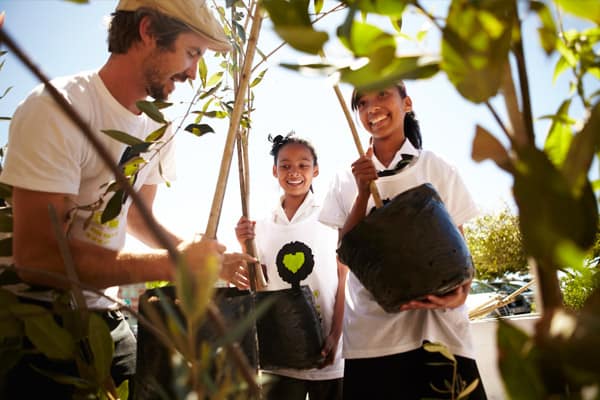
(384, 354)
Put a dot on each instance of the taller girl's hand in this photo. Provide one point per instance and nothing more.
(364, 171)
(454, 299)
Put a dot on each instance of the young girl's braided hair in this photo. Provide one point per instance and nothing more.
(412, 130)
(279, 141)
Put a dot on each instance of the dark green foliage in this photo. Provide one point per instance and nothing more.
(496, 244)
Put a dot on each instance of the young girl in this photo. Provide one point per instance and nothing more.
(384, 354)
(295, 219)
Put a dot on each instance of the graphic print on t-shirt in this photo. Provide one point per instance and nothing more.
(295, 261)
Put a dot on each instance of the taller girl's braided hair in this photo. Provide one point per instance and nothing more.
(412, 130)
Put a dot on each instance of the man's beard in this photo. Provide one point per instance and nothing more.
(157, 92)
(155, 85)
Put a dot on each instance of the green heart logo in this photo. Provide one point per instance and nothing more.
(293, 262)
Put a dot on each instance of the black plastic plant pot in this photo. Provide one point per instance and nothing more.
(289, 333)
(155, 372)
(407, 249)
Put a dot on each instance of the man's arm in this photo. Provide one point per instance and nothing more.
(35, 247)
(136, 226)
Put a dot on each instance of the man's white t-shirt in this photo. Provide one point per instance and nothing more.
(272, 234)
(48, 153)
(369, 331)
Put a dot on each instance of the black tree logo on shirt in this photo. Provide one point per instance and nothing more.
(295, 261)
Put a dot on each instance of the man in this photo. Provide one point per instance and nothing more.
(50, 163)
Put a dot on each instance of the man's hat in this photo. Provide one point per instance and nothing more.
(194, 13)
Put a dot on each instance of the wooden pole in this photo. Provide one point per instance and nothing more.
(234, 124)
(359, 147)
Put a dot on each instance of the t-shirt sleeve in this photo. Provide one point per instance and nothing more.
(456, 197)
(333, 213)
(44, 150)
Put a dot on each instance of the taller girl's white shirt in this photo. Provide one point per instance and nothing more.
(369, 331)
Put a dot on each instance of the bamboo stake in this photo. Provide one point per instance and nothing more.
(257, 278)
(234, 123)
(359, 147)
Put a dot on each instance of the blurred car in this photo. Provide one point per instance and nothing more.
(523, 302)
(482, 293)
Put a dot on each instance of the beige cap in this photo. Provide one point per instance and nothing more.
(194, 13)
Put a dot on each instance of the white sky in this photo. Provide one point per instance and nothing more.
(63, 38)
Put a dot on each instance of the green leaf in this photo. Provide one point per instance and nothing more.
(199, 129)
(214, 79)
(292, 23)
(161, 104)
(258, 79)
(581, 152)
(468, 390)
(551, 210)
(517, 362)
(113, 207)
(139, 148)
(388, 8)
(476, 41)
(8, 89)
(288, 12)
(586, 9)
(210, 92)
(42, 330)
(486, 146)
(202, 70)
(131, 167)
(561, 66)
(439, 348)
(239, 30)
(151, 110)
(102, 346)
(123, 390)
(559, 136)
(383, 71)
(303, 38)
(122, 137)
(366, 39)
(547, 31)
(157, 134)
(318, 6)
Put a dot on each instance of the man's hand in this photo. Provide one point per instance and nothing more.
(454, 299)
(235, 269)
(233, 265)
